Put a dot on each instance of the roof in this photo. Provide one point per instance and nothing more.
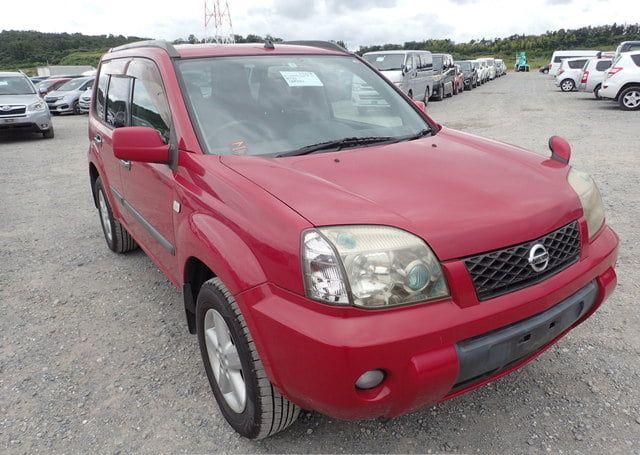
(217, 50)
(397, 51)
(11, 73)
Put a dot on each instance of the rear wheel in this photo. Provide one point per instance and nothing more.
(596, 92)
(567, 85)
(440, 94)
(427, 95)
(629, 99)
(246, 397)
(117, 237)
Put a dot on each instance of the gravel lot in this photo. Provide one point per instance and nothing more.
(95, 355)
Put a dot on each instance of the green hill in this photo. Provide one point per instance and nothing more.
(29, 49)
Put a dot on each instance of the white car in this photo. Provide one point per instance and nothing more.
(593, 74)
(501, 68)
(622, 81)
(492, 68)
(558, 56)
(483, 71)
(569, 74)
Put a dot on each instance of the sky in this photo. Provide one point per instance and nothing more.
(356, 22)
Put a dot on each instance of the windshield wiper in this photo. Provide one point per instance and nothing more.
(340, 144)
(418, 135)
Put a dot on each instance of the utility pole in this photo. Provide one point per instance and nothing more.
(217, 22)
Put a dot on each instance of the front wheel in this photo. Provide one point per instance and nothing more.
(76, 109)
(567, 85)
(440, 94)
(48, 134)
(629, 99)
(246, 397)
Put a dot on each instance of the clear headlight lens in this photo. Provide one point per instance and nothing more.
(590, 198)
(37, 106)
(370, 267)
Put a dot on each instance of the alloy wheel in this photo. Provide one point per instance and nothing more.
(225, 361)
(631, 99)
(104, 216)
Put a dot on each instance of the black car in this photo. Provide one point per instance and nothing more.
(470, 74)
(444, 72)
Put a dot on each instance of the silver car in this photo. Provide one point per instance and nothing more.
(85, 101)
(593, 75)
(410, 71)
(66, 98)
(21, 107)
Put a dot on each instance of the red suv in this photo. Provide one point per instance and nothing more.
(360, 264)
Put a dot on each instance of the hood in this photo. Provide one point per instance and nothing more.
(59, 94)
(18, 99)
(394, 76)
(462, 194)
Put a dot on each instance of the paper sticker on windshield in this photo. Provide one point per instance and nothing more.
(3, 83)
(380, 59)
(301, 79)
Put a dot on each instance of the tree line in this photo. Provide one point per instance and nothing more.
(28, 49)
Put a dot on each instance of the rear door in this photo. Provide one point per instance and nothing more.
(149, 187)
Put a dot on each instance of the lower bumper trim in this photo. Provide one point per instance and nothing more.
(488, 354)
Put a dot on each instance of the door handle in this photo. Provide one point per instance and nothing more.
(97, 139)
(126, 164)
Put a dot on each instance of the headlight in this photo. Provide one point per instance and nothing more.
(370, 267)
(590, 198)
(37, 106)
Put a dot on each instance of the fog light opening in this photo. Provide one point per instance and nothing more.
(370, 380)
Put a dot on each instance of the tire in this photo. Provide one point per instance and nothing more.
(427, 95)
(76, 109)
(48, 134)
(117, 238)
(440, 95)
(596, 91)
(265, 411)
(567, 85)
(450, 95)
(410, 94)
(629, 99)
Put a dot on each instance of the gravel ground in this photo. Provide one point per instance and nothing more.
(95, 354)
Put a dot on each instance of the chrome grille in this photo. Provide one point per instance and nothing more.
(502, 271)
(7, 110)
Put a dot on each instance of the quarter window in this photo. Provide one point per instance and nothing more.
(636, 59)
(603, 65)
(149, 106)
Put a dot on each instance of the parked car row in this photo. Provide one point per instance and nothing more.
(425, 76)
(614, 76)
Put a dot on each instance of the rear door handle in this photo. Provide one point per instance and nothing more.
(126, 164)
(97, 139)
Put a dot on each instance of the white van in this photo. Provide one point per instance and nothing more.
(558, 56)
(411, 71)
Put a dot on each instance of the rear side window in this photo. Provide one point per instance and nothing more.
(636, 59)
(577, 64)
(149, 106)
(603, 65)
(118, 101)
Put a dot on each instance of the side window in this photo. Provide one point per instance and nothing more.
(635, 58)
(409, 64)
(149, 106)
(118, 101)
(101, 93)
(577, 64)
(603, 65)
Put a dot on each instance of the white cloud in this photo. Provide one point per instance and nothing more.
(357, 22)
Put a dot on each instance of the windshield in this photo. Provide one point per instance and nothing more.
(437, 62)
(386, 62)
(73, 84)
(465, 65)
(15, 85)
(269, 105)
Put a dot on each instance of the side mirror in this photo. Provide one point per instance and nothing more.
(420, 105)
(560, 149)
(140, 143)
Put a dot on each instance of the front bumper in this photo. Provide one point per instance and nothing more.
(34, 121)
(60, 106)
(314, 353)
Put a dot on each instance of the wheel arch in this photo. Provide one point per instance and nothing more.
(211, 249)
(93, 176)
(626, 86)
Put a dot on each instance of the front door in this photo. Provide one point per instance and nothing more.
(148, 187)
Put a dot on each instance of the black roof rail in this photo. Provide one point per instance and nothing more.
(159, 44)
(328, 45)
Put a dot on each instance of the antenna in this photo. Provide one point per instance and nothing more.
(217, 18)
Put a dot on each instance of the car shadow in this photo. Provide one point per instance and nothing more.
(19, 136)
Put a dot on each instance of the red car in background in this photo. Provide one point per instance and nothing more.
(49, 85)
(458, 81)
(359, 264)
